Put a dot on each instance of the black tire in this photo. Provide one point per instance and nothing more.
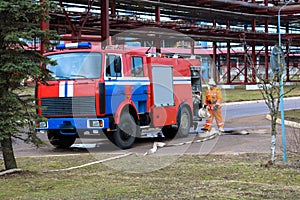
(110, 135)
(169, 132)
(184, 123)
(126, 132)
(60, 141)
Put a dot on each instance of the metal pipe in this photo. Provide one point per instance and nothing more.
(281, 86)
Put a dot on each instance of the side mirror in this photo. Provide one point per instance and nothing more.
(117, 64)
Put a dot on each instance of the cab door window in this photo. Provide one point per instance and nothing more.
(113, 66)
(137, 67)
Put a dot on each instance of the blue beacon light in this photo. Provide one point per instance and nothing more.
(78, 45)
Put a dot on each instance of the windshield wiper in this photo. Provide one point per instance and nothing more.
(61, 77)
(78, 75)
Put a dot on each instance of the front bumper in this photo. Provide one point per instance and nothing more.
(71, 125)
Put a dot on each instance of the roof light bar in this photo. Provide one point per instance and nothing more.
(77, 45)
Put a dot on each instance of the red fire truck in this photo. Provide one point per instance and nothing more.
(117, 91)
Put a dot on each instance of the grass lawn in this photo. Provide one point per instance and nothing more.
(239, 93)
(189, 177)
(292, 115)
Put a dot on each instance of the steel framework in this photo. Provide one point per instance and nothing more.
(241, 32)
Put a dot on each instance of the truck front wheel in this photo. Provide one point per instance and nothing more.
(60, 141)
(126, 132)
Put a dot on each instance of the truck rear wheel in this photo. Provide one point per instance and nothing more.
(184, 123)
(126, 132)
(60, 141)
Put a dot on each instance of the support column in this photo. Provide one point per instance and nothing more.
(228, 81)
(253, 53)
(44, 26)
(192, 47)
(228, 58)
(267, 52)
(157, 19)
(287, 63)
(214, 74)
(157, 13)
(253, 56)
(113, 8)
(246, 62)
(246, 65)
(104, 23)
(157, 43)
(287, 57)
(214, 62)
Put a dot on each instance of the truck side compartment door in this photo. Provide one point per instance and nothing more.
(163, 111)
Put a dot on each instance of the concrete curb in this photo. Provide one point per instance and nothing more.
(243, 102)
(286, 122)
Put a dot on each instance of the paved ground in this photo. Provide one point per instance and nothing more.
(257, 141)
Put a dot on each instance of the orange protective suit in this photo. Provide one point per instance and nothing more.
(213, 102)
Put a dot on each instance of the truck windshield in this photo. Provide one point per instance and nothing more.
(76, 65)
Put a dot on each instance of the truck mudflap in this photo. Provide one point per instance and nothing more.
(69, 126)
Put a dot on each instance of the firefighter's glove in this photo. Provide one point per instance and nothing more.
(216, 107)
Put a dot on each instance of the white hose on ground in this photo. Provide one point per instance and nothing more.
(91, 163)
(161, 144)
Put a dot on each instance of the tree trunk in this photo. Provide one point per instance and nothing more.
(273, 145)
(8, 153)
(273, 140)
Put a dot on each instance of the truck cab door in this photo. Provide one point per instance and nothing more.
(115, 91)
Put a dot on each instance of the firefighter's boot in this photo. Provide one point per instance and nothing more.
(206, 127)
(221, 129)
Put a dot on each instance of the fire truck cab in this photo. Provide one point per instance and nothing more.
(117, 91)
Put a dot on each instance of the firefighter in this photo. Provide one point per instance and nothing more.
(213, 103)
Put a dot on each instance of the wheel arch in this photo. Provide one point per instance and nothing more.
(126, 107)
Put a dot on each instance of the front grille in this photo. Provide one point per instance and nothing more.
(68, 106)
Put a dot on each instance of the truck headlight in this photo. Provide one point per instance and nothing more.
(99, 123)
(43, 125)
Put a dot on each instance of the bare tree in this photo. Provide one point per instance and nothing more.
(271, 92)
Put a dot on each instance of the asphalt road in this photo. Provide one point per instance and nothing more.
(241, 109)
(249, 116)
